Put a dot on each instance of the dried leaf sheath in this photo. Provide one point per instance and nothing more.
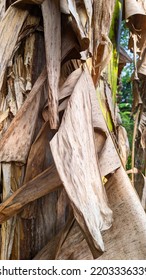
(74, 155)
(10, 27)
(52, 28)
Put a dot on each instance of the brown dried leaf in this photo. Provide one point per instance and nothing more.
(106, 162)
(4, 115)
(77, 153)
(52, 28)
(133, 7)
(77, 25)
(123, 144)
(143, 198)
(70, 48)
(9, 31)
(46, 182)
(7, 231)
(22, 3)
(53, 247)
(142, 122)
(2, 8)
(14, 146)
(129, 217)
(68, 86)
(64, 7)
(136, 95)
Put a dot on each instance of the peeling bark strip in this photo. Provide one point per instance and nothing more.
(10, 27)
(74, 154)
(52, 29)
(46, 182)
(14, 146)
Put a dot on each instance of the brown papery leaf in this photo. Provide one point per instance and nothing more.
(123, 144)
(133, 7)
(108, 152)
(22, 3)
(129, 217)
(14, 146)
(4, 115)
(52, 28)
(51, 250)
(77, 25)
(142, 122)
(2, 9)
(9, 31)
(64, 7)
(68, 86)
(143, 198)
(77, 166)
(46, 182)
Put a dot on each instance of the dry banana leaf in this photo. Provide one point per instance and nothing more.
(100, 138)
(101, 57)
(129, 217)
(50, 250)
(64, 7)
(9, 31)
(2, 8)
(75, 243)
(143, 198)
(70, 48)
(136, 95)
(142, 122)
(142, 129)
(22, 3)
(106, 162)
(76, 164)
(46, 182)
(52, 28)
(141, 65)
(123, 144)
(77, 25)
(89, 9)
(39, 159)
(133, 7)
(7, 231)
(110, 104)
(68, 86)
(40, 156)
(101, 43)
(14, 146)
(4, 115)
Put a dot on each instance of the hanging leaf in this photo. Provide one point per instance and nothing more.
(75, 136)
(52, 29)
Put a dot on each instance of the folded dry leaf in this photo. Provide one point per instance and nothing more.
(74, 155)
